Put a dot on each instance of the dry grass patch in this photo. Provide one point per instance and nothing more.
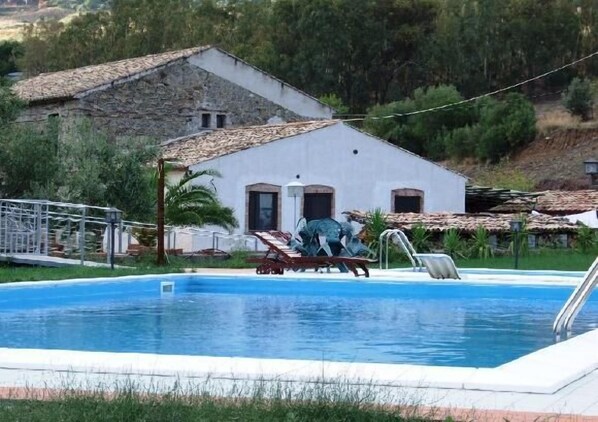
(561, 119)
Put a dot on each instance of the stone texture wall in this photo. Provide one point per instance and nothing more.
(166, 104)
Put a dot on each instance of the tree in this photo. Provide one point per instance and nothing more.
(359, 50)
(187, 203)
(10, 52)
(421, 133)
(98, 171)
(24, 173)
(10, 105)
(505, 126)
(578, 98)
(82, 166)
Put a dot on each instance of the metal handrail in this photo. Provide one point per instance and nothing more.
(578, 298)
(403, 242)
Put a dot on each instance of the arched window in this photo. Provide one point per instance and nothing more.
(318, 202)
(263, 207)
(407, 200)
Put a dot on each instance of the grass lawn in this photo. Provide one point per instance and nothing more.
(548, 259)
(144, 265)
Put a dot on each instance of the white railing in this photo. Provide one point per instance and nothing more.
(578, 298)
(34, 227)
(399, 238)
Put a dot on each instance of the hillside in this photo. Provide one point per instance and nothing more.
(13, 19)
(554, 160)
(15, 14)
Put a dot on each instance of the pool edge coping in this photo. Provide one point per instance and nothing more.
(528, 374)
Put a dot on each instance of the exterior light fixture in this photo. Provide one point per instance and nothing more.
(591, 169)
(295, 190)
(516, 225)
(112, 218)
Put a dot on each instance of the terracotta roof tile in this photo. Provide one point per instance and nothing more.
(69, 83)
(468, 223)
(208, 145)
(554, 202)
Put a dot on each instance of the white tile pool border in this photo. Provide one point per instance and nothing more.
(544, 372)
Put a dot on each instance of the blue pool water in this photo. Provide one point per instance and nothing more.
(436, 323)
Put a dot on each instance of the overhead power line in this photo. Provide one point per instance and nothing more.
(469, 100)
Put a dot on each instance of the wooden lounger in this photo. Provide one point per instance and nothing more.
(280, 257)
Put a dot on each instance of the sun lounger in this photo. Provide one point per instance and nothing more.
(439, 265)
(280, 257)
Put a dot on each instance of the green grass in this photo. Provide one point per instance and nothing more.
(13, 273)
(139, 266)
(322, 405)
(546, 259)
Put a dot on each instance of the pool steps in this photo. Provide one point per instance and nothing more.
(578, 298)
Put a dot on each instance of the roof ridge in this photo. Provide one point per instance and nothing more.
(113, 72)
(113, 62)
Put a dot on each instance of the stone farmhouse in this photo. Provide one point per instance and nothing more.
(341, 168)
(167, 95)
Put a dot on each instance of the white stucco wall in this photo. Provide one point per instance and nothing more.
(263, 84)
(362, 181)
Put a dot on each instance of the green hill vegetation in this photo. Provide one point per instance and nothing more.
(369, 58)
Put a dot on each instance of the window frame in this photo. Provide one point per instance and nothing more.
(411, 192)
(256, 189)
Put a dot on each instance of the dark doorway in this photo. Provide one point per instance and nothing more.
(317, 206)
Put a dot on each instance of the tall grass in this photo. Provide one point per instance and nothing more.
(278, 402)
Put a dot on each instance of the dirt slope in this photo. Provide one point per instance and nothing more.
(555, 159)
(558, 157)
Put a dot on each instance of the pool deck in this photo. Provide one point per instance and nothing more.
(556, 383)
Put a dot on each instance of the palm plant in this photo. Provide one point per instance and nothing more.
(190, 204)
(420, 238)
(480, 245)
(452, 243)
(375, 224)
(585, 239)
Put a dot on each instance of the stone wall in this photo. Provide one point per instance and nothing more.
(165, 104)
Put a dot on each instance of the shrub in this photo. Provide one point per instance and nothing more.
(488, 129)
(145, 236)
(375, 224)
(480, 244)
(420, 238)
(453, 244)
(585, 240)
(505, 126)
(424, 133)
(335, 102)
(578, 98)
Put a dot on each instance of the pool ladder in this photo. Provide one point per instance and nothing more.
(575, 302)
(400, 239)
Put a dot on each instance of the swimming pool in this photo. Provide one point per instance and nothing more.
(431, 323)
